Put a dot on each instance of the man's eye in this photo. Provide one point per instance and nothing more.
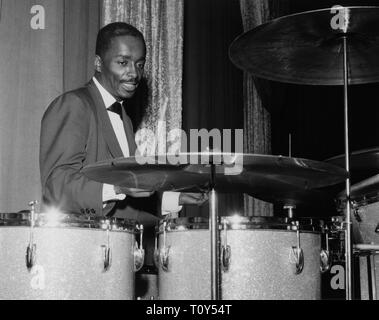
(140, 65)
(123, 63)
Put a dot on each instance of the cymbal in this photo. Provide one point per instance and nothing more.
(360, 160)
(303, 48)
(266, 177)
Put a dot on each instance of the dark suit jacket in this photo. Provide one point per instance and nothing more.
(76, 131)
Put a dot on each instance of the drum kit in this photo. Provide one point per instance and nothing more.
(283, 180)
(223, 257)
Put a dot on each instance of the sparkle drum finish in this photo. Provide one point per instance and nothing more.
(258, 259)
(69, 258)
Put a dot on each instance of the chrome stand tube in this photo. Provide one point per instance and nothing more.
(348, 252)
(214, 232)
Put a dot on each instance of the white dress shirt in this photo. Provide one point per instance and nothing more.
(170, 200)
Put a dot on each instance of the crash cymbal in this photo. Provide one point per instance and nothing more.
(266, 177)
(304, 48)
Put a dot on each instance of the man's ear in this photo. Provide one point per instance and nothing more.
(98, 63)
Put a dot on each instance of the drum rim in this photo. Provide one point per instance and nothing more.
(359, 201)
(68, 220)
(366, 199)
(241, 223)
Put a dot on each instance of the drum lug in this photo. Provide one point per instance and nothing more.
(107, 258)
(31, 249)
(356, 215)
(325, 260)
(30, 256)
(297, 252)
(225, 249)
(164, 258)
(139, 258)
(163, 253)
(225, 256)
(299, 259)
(139, 253)
(156, 253)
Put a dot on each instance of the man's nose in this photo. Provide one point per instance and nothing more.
(132, 70)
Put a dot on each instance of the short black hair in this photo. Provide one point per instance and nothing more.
(112, 30)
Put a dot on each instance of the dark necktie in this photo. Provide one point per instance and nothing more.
(116, 108)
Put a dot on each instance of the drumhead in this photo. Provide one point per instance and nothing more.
(242, 223)
(67, 220)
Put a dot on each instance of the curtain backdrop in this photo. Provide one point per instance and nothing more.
(35, 67)
(257, 97)
(212, 85)
(161, 22)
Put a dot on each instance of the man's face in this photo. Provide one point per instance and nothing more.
(121, 68)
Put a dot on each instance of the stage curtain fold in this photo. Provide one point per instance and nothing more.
(161, 22)
(256, 93)
(212, 85)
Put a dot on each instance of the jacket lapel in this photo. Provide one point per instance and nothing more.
(104, 121)
(128, 127)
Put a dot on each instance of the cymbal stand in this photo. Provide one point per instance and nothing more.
(214, 232)
(348, 252)
(290, 210)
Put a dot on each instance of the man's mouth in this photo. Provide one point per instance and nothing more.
(129, 86)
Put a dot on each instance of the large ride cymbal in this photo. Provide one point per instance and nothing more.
(305, 49)
(270, 178)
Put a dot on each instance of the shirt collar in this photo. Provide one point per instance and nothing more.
(107, 97)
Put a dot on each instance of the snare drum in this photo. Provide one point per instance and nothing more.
(261, 258)
(364, 197)
(67, 256)
(365, 219)
(365, 234)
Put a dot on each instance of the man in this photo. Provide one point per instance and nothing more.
(82, 127)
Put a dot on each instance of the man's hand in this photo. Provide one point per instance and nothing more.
(133, 192)
(193, 198)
